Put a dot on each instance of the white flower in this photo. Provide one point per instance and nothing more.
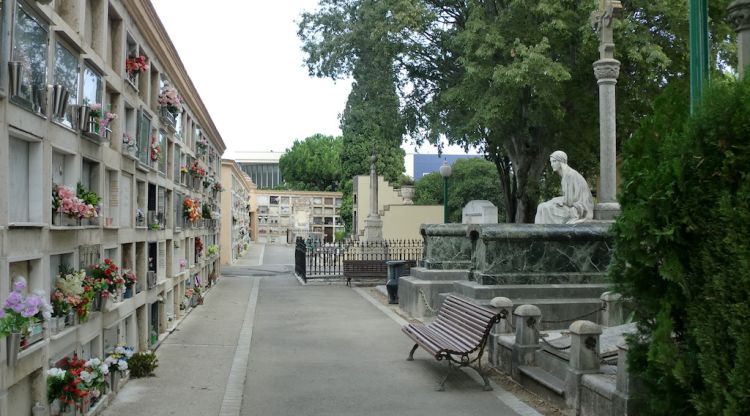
(95, 393)
(94, 362)
(104, 368)
(86, 376)
(122, 365)
(56, 372)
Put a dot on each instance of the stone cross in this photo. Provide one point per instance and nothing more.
(606, 70)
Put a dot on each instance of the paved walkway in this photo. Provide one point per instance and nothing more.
(269, 346)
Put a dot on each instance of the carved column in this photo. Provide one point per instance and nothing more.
(739, 18)
(373, 223)
(606, 70)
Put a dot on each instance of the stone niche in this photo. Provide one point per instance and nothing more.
(479, 212)
(499, 254)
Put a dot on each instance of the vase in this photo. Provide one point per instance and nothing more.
(15, 76)
(59, 101)
(67, 409)
(61, 323)
(114, 381)
(83, 116)
(13, 345)
(128, 292)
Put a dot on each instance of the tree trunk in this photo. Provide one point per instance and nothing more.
(505, 172)
(527, 157)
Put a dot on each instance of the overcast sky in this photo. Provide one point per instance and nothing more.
(244, 58)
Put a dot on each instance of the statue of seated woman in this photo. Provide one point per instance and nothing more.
(576, 203)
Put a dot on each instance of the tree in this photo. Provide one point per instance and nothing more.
(354, 38)
(683, 245)
(471, 179)
(312, 164)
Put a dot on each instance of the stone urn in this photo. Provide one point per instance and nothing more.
(407, 193)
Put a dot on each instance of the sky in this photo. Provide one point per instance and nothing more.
(246, 62)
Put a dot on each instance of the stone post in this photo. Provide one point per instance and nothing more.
(624, 383)
(373, 223)
(584, 359)
(612, 309)
(739, 18)
(503, 306)
(527, 318)
(607, 70)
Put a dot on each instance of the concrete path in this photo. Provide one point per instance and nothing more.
(265, 345)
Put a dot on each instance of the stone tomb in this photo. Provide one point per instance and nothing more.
(479, 212)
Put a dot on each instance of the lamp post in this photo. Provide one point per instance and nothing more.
(445, 172)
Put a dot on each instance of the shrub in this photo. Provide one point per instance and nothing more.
(683, 251)
(143, 364)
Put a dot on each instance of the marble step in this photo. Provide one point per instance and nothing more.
(566, 291)
(430, 274)
(551, 363)
(544, 384)
(545, 278)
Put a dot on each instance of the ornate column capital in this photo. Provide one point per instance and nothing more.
(739, 15)
(607, 69)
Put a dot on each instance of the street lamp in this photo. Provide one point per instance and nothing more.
(445, 172)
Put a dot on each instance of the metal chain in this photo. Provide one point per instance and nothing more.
(508, 320)
(573, 319)
(609, 361)
(554, 346)
(424, 299)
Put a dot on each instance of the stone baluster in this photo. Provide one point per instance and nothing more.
(503, 306)
(527, 318)
(612, 314)
(584, 359)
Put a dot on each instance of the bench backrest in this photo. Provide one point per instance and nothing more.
(464, 319)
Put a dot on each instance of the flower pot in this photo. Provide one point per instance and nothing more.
(39, 98)
(83, 116)
(67, 409)
(60, 323)
(128, 292)
(15, 76)
(13, 346)
(92, 125)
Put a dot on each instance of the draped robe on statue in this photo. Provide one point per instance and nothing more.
(574, 206)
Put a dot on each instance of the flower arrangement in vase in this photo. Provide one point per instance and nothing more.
(20, 310)
(183, 169)
(202, 145)
(134, 64)
(129, 143)
(198, 246)
(213, 249)
(196, 170)
(170, 99)
(117, 359)
(105, 278)
(183, 264)
(191, 209)
(155, 150)
(217, 187)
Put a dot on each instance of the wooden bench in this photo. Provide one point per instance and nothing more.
(459, 331)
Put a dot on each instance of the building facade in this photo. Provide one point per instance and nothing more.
(401, 218)
(283, 215)
(238, 209)
(262, 167)
(106, 147)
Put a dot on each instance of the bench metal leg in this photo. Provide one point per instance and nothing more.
(411, 353)
(486, 379)
(441, 386)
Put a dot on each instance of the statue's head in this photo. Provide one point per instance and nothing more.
(560, 156)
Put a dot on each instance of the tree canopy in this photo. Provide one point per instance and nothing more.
(513, 78)
(313, 164)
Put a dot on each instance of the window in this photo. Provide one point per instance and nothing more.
(25, 181)
(65, 90)
(92, 87)
(144, 135)
(111, 209)
(29, 60)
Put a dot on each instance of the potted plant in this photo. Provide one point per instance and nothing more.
(170, 100)
(130, 280)
(134, 65)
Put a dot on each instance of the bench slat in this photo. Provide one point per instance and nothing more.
(442, 339)
(470, 322)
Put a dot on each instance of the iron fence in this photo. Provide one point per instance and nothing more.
(315, 259)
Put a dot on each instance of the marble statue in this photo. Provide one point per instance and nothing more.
(576, 203)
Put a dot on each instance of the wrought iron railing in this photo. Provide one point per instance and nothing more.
(315, 259)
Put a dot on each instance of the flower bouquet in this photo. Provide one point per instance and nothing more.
(155, 150)
(196, 170)
(202, 145)
(198, 246)
(117, 359)
(21, 311)
(217, 187)
(133, 64)
(183, 169)
(169, 98)
(129, 143)
(183, 263)
(213, 249)
(130, 280)
(105, 279)
(191, 210)
(70, 383)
